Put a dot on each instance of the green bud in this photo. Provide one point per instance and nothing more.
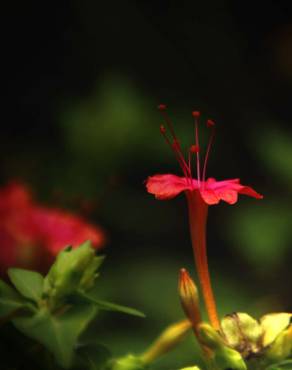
(223, 357)
(209, 336)
(129, 362)
(90, 273)
(228, 358)
(74, 269)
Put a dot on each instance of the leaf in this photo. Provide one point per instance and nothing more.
(28, 283)
(94, 355)
(108, 306)
(58, 333)
(285, 365)
(10, 300)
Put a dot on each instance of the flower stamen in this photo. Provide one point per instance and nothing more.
(210, 124)
(175, 145)
(196, 115)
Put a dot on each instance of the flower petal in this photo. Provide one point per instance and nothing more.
(166, 186)
(228, 190)
(247, 190)
(229, 196)
(210, 196)
(211, 183)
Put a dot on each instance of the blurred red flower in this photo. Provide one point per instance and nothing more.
(31, 234)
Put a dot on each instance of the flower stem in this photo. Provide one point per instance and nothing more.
(198, 211)
(166, 341)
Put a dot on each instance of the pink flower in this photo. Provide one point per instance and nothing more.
(212, 191)
(200, 193)
(30, 234)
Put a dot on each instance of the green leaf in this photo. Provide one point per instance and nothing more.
(10, 300)
(94, 355)
(108, 306)
(58, 333)
(285, 365)
(28, 283)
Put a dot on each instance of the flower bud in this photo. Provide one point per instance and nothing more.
(228, 358)
(169, 338)
(209, 336)
(189, 297)
(223, 357)
(74, 269)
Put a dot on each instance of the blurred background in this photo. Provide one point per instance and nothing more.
(83, 81)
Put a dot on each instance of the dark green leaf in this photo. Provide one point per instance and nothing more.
(28, 283)
(108, 306)
(58, 333)
(10, 300)
(285, 365)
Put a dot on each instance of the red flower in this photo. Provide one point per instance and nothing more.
(30, 233)
(200, 193)
(211, 191)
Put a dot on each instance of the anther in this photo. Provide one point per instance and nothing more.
(161, 107)
(210, 123)
(196, 114)
(162, 129)
(194, 148)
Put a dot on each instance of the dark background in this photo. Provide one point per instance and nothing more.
(82, 81)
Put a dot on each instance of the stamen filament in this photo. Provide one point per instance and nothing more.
(210, 124)
(176, 145)
(177, 153)
(162, 109)
(196, 116)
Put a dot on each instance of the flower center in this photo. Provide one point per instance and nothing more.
(194, 149)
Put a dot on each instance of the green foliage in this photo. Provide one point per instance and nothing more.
(28, 283)
(10, 300)
(74, 269)
(108, 306)
(59, 307)
(59, 333)
(285, 365)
